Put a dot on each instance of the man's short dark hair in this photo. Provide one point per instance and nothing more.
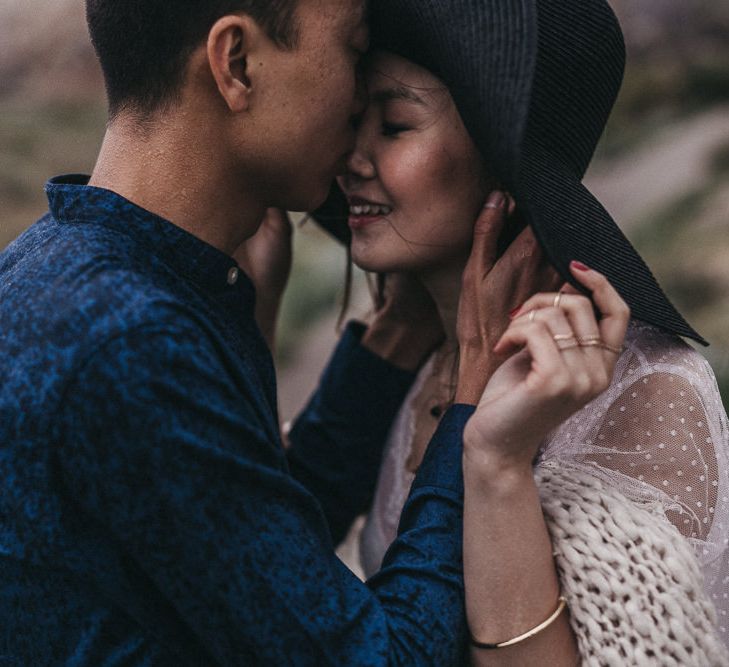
(144, 45)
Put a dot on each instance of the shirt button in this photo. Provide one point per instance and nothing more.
(233, 276)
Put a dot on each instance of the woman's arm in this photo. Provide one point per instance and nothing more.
(511, 580)
(558, 365)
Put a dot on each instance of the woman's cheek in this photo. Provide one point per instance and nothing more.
(453, 189)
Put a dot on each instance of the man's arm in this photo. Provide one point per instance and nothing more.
(163, 449)
(338, 441)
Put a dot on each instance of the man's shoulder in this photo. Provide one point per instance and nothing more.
(66, 290)
(85, 272)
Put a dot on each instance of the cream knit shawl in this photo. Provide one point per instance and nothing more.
(633, 584)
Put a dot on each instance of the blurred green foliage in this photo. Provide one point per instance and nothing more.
(316, 286)
(658, 93)
(686, 242)
(37, 142)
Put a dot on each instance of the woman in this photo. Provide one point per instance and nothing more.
(634, 485)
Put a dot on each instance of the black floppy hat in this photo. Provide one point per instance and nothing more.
(534, 82)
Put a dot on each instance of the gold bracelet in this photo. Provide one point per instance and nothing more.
(529, 633)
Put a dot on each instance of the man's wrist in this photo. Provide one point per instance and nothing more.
(475, 369)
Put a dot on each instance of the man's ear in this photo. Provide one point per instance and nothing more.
(230, 43)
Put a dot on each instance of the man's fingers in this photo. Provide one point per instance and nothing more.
(487, 229)
(278, 220)
(527, 261)
(525, 245)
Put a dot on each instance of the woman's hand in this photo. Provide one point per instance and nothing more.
(266, 259)
(560, 359)
(492, 287)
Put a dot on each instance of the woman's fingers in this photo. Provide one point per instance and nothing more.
(538, 339)
(615, 312)
(575, 334)
(575, 307)
(592, 349)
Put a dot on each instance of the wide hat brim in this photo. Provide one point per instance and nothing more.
(534, 82)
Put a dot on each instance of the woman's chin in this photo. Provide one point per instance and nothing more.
(375, 263)
(373, 267)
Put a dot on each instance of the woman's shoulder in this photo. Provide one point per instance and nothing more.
(649, 348)
(663, 397)
(667, 363)
(659, 434)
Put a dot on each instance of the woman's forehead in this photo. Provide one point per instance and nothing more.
(390, 76)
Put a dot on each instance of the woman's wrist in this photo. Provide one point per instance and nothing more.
(492, 467)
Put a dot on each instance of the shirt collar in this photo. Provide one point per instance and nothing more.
(72, 200)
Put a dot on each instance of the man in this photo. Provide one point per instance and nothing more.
(149, 514)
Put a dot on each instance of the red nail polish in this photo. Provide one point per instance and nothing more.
(579, 266)
(514, 312)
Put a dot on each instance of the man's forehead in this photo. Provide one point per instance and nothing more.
(360, 8)
(356, 10)
(351, 12)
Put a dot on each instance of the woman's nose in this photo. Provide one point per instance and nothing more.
(359, 164)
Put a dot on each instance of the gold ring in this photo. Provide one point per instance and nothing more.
(589, 343)
(590, 337)
(567, 345)
(568, 336)
(532, 315)
(611, 348)
(557, 300)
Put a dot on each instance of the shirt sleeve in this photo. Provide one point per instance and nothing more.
(338, 440)
(163, 449)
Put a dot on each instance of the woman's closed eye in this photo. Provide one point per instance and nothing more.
(393, 129)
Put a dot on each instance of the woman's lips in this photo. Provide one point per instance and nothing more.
(365, 213)
(359, 221)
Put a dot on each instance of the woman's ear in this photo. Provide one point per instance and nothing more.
(232, 41)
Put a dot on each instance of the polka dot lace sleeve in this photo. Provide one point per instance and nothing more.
(659, 434)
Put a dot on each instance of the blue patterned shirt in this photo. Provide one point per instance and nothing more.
(149, 514)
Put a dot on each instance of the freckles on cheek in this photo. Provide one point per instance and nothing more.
(417, 177)
(439, 181)
(442, 186)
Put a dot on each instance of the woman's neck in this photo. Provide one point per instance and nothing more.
(444, 286)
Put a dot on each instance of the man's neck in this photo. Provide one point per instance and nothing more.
(174, 170)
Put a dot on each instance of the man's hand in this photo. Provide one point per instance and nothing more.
(407, 328)
(492, 288)
(266, 259)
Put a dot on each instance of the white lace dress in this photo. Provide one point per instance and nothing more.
(658, 435)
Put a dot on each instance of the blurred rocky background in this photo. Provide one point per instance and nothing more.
(662, 169)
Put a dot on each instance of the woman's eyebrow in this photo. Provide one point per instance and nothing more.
(397, 93)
